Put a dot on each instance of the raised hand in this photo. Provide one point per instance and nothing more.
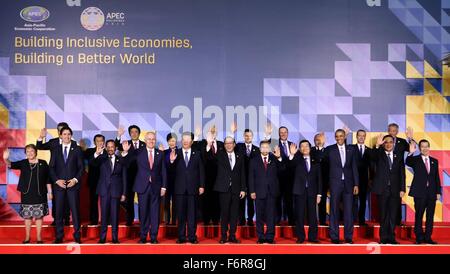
(99, 150)
(346, 129)
(412, 147)
(126, 146)
(198, 132)
(233, 127)
(409, 133)
(268, 129)
(120, 131)
(293, 149)
(209, 138)
(161, 147)
(6, 154)
(380, 140)
(277, 152)
(43, 133)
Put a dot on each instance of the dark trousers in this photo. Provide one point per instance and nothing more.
(186, 213)
(229, 212)
(169, 208)
(66, 208)
(210, 206)
(323, 206)
(129, 206)
(359, 205)
(248, 203)
(93, 204)
(149, 203)
(421, 205)
(265, 213)
(306, 203)
(110, 213)
(73, 198)
(339, 194)
(285, 204)
(388, 202)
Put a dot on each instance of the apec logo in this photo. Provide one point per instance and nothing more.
(34, 14)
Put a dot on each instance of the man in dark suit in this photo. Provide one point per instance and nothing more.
(318, 153)
(51, 145)
(343, 175)
(363, 161)
(401, 146)
(93, 177)
(248, 150)
(307, 189)
(189, 184)
(425, 188)
(230, 184)
(150, 184)
(169, 198)
(66, 170)
(285, 207)
(135, 144)
(264, 188)
(111, 187)
(388, 184)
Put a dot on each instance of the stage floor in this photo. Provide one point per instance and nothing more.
(365, 242)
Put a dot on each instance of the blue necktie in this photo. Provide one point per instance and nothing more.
(65, 154)
(186, 159)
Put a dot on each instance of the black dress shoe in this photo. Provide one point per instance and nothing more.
(270, 241)
(39, 242)
(101, 241)
(194, 242)
(431, 242)
(314, 241)
(26, 242)
(250, 223)
(383, 242)
(93, 223)
(260, 241)
(222, 241)
(142, 241)
(300, 241)
(53, 223)
(335, 242)
(115, 241)
(348, 241)
(362, 224)
(234, 241)
(180, 241)
(394, 242)
(418, 242)
(129, 224)
(154, 241)
(78, 240)
(58, 241)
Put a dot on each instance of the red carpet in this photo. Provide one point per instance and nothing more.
(365, 238)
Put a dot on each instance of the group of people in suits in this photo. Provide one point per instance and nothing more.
(228, 182)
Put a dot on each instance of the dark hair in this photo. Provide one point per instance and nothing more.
(388, 136)
(339, 130)
(264, 142)
(360, 130)
(99, 135)
(133, 126)
(304, 141)
(248, 130)
(188, 133)
(65, 128)
(282, 128)
(62, 124)
(170, 136)
(32, 146)
(392, 125)
(109, 141)
(424, 141)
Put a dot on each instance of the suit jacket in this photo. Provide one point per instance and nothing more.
(335, 169)
(51, 144)
(401, 146)
(227, 176)
(301, 176)
(111, 182)
(157, 174)
(385, 176)
(364, 164)
(73, 168)
(94, 169)
(421, 176)
(170, 169)
(263, 182)
(241, 149)
(188, 179)
(25, 175)
(210, 162)
(318, 155)
(131, 163)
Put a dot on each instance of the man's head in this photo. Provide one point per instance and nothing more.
(110, 147)
(59, 126)
(99, 140)
(424, 147)
(229, 144)
(264, 147)
(65, 133)
(305, 147)
(134, 132)
(248, 136)
(171, 140)
(361, 136)
(187, 139)
(393, 129)
(319, 140)
(388, 143)
(150, 139)
(283, 133)
(339, 135)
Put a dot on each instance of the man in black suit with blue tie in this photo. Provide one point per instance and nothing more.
(264, 188)
(150, 184)
(135, 144)
(111, 187)
(66, 170)
(307, 189)
(189, 184)
(343, 175)
(425, 188)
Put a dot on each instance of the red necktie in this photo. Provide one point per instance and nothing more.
(150, 159)
(213, 148)
(265, 163)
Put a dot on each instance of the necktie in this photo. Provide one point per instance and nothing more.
(342, 152)
(248, 150)
(390, 161)
(307, 169)
(427, 165)
(150, 159)
(111, 163)
(186, 159)
(65, 154)
(285, 149)
(231, 160)
(361, 150)
(135, 145)
(265, 163)
(213, 148)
